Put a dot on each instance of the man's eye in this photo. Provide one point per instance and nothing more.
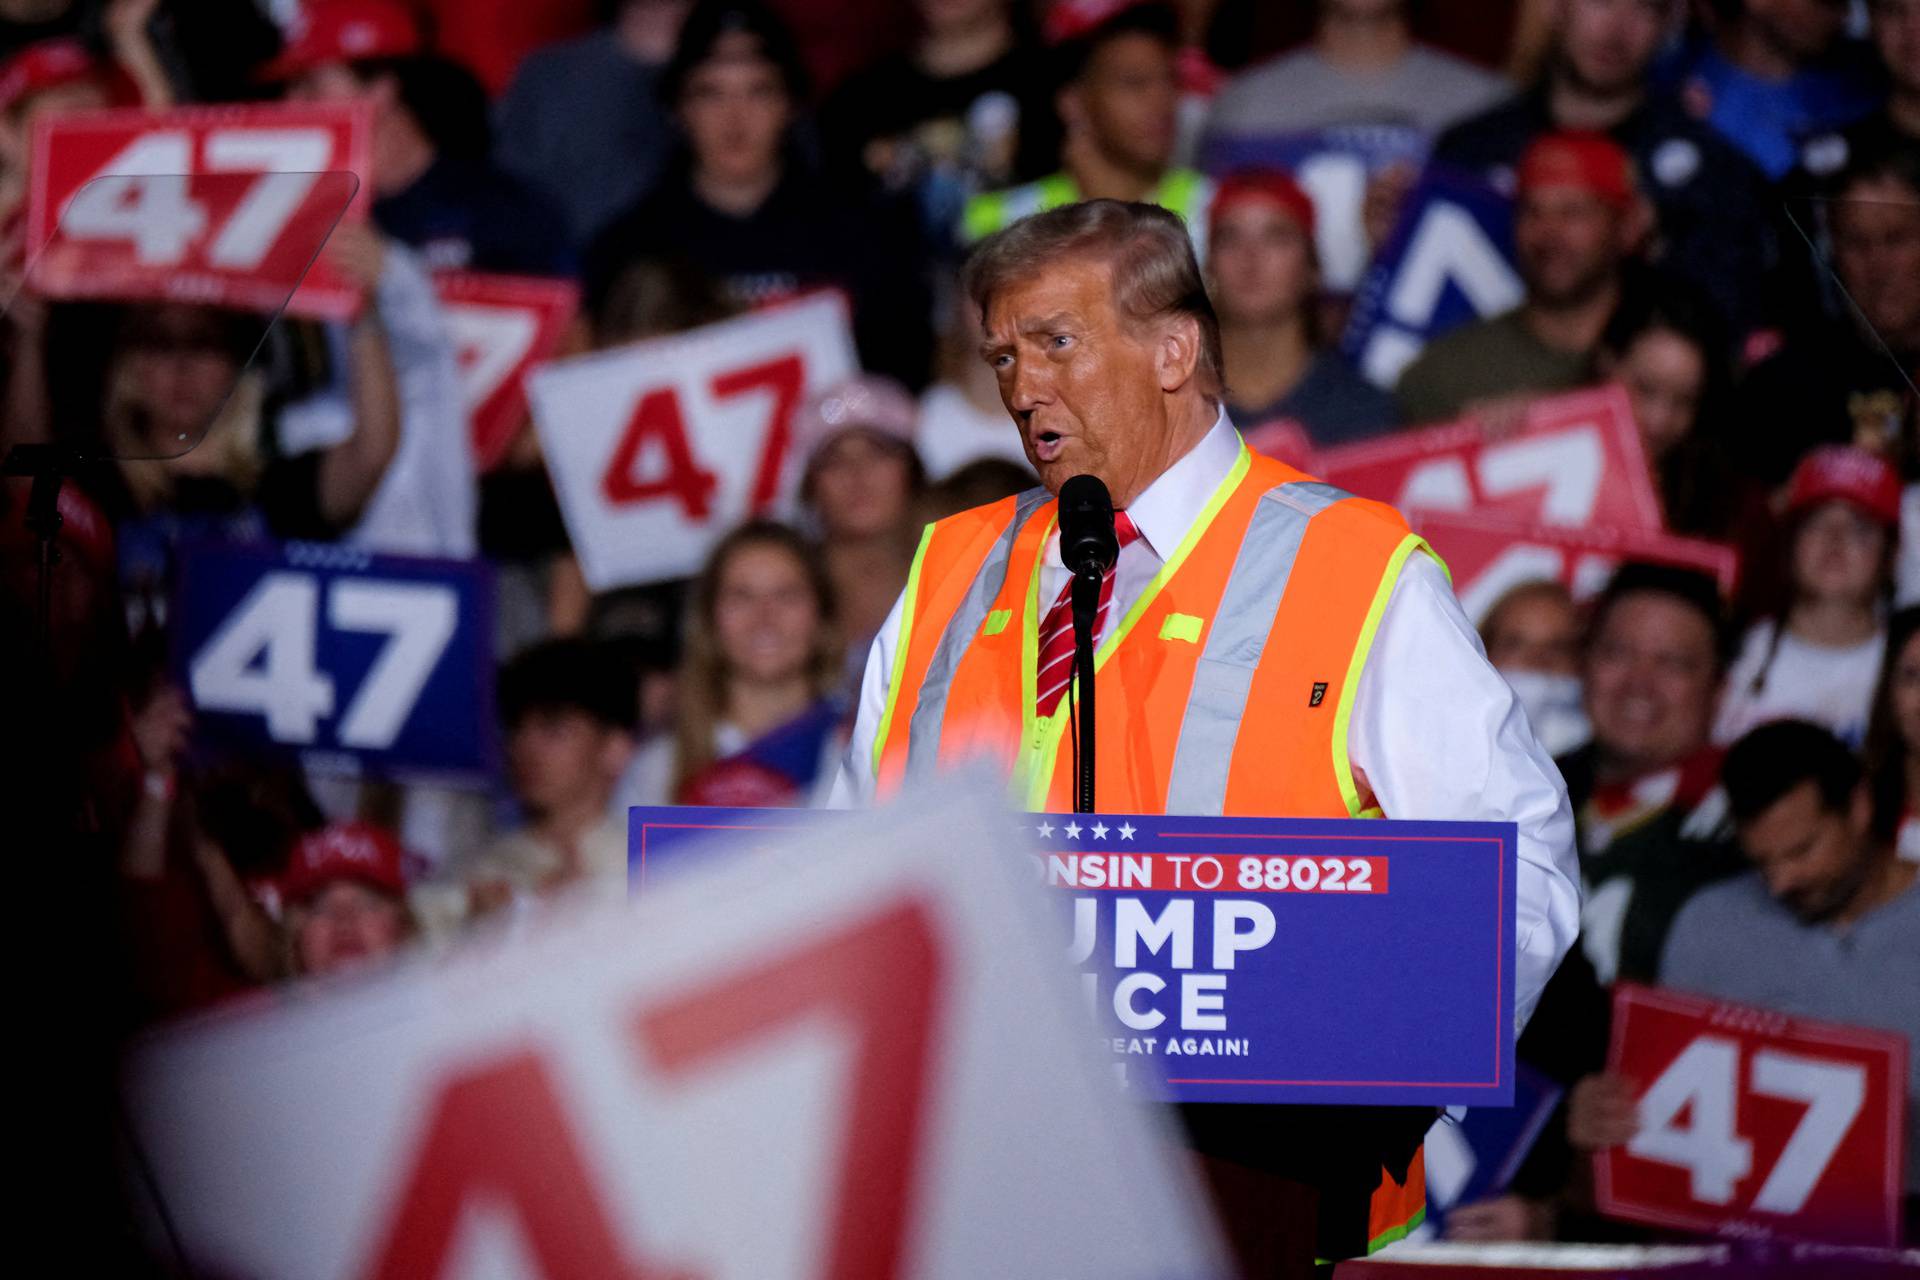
(1001, 361)
(1060, 340)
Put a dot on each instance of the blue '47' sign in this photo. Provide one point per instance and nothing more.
(361, 663)
(1260, 959)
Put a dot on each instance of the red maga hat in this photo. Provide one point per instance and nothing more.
(1844, 473)
(344, 851)
(1587, 161)
(343, 31)
(48, 64)
(1269, 186)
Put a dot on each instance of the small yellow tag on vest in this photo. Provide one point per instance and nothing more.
(997, 622)
(1181, 626)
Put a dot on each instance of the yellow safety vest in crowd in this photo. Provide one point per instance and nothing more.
(1186, 192)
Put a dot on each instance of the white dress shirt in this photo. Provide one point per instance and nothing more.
(1435, 734)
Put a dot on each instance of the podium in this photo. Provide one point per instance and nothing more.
(1349, 962)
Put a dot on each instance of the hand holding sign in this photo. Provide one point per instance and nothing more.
(1750, 1121)
(224, 205)
(660, 447)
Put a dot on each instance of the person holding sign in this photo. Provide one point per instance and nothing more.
(1268, 645)
(1826, 925)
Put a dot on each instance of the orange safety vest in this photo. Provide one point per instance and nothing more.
(1270, 604)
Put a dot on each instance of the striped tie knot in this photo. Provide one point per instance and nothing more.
(1055, 669)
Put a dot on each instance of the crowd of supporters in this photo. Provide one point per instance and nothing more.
(1716, 206)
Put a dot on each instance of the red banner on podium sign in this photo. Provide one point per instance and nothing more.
(1488, 556)
(501, 327)
(180, 209)
(1576, 461)
(1754, 1122)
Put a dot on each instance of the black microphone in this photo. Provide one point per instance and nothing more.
(1088, 544)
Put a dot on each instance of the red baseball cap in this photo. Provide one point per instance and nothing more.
(343, 31)
(344, 851)
(1582, 159)
(1068, 20)
(1843, 472)
(1266, 185)
(48, 64)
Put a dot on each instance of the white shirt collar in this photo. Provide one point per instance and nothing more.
(1167, 508)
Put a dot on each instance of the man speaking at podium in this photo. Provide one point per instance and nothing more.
(1266, 645)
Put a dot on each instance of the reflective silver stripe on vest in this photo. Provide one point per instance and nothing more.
(1221, 681)
(923, 733)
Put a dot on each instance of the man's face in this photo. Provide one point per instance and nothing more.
(347, 924)
(1896, 34)
(561, 758)
(1814, 858)
(1607, 45)
(1569, 244)
(1651, 681)
(1876, 248)
(736, 111)
(1127, 100)
(1539, 631)
(1082, 385)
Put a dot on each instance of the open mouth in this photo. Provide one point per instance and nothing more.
(1048, 445)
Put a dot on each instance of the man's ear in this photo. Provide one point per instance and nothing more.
(1068, 106)
(1177, 354)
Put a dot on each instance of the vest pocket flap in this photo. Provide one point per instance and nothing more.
(1181, 626)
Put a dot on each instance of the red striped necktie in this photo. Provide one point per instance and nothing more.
(1056, 632)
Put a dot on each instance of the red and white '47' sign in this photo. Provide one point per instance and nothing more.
(853, 1057)
(658, 448)
(223, 205)
(1576, 460)
(501, 326)
(1488, 556)
(1755, 1122)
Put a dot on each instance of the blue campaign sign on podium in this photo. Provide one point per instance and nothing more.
(1259, 959)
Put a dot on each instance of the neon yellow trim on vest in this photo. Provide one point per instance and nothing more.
(997, 622)
(1343, 713)
(907, 602)
(1400, 1232)
(1180, 626)
(1041, 741)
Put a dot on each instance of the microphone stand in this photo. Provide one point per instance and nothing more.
(1086, 608)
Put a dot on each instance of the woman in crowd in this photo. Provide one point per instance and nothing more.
(1665, 348)
(861, 485)
(1818, 658)
(1893, 736)
(758, 723)
(745, 204)
(1264, 276)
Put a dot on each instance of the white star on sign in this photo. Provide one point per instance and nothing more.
(1045, 829)
(1099, 831)
(1073, 830)
(1126, 830)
